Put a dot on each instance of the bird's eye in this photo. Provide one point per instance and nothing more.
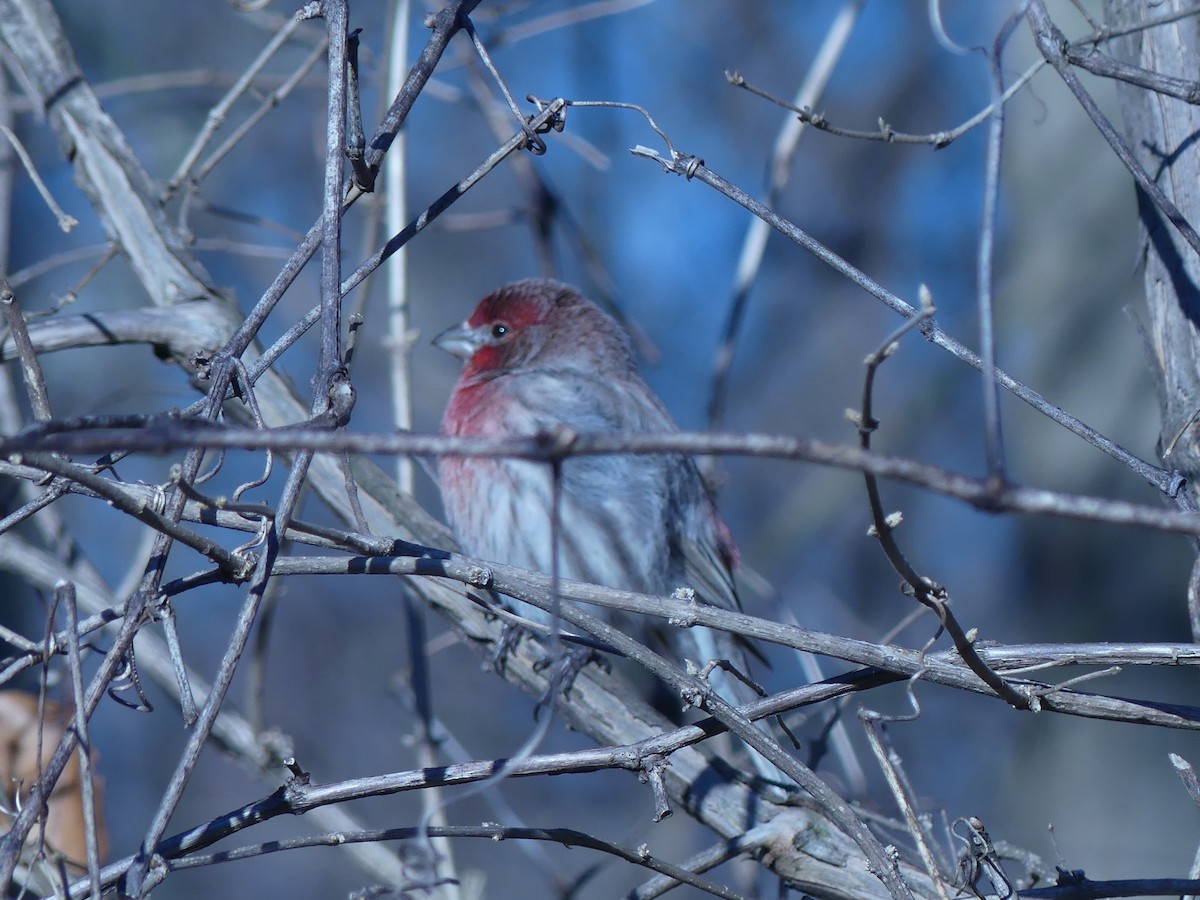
(499, 330)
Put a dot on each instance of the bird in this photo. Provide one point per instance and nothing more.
(540, 356)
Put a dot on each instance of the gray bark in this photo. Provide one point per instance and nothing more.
(1163, 133)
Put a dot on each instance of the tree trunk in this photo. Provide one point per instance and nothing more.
(1163, 133)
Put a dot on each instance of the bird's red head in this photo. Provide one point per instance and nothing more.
(535, 322)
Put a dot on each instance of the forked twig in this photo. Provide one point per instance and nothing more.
(925, 590)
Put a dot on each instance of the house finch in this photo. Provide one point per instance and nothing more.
(539, 354)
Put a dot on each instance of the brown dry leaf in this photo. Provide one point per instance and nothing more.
(20, 767)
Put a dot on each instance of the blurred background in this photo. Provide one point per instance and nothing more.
(664, 251)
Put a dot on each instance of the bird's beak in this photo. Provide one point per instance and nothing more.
(461, 340)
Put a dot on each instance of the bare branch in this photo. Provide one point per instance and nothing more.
(693, 168)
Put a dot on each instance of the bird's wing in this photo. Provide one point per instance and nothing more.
(708, 573)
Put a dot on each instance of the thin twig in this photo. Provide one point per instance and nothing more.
(924, 589)
(750, 841)
(164, 613)
(754, 244)
(230, 732)
(555, 21)
(885, 132)
(893, 771)
(270, 103)
(218, 114)
(398, 241)
(1052, 44)
(336, 14)
(1187, 775)
(235, 567)
(1092, 60)
(545, 119)
(693, 168)
(482, 51)
(564, 836)
(31, 368)
(433, 806)
(65, 592)
(356, 141)
(139, 869)
(65, 222)
(395, 195)
(993, 433)
(446, 24)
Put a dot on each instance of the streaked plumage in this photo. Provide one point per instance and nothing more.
(539, 354)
